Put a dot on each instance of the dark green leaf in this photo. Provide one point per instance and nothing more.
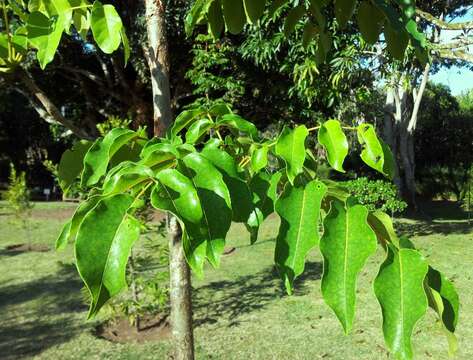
(198, 130)
(72, 163)
(292, 18)
(254, 9)
(370, 21)
(127, 177)
(215, 16)
(186, 119)
(397, 40)
(344, 11)
(215, 200)
(238, 124)
(259, 158)
(103, 246)
(299, 210)
(234, 15)
(310, 31)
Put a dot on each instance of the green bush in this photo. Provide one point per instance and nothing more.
(376, 194)
(18, 194)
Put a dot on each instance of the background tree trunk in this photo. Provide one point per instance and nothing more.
(157, 54)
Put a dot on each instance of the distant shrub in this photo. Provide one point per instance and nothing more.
(18, 194)
(376, 194)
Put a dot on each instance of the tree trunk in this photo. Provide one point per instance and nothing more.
(180, 296)
(157, 55)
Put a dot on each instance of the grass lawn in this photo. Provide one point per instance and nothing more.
(240, 310)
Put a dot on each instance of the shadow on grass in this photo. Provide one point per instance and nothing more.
(425, 228)
(39, 314)
(228, 300)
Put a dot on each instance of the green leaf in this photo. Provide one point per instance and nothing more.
(103, 246)
(259, 158)
(240, 194)
(44, 34)
(69, 231)
(389, 166)
(72, 163)
(127, 177)
(215, 201)
(160, 154)
(198, 130)
(310, 31)
(344, 11)
(126, 45)
(370, 21)
(106, 27)
(176, 193)
(291, 148)
(234, 15)
(347, 243)
(443, 299)
(292, 18)
(215, 16)
(238, 124)
(399, 289)
(372, 153)
(186, 119)
(397, 40)
(264, 191)
(299, 210)
(333, 139)
(382, 225)
(195, 15)
(81, 22)
(254, 9)
(98, 157)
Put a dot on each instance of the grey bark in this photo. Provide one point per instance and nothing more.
(157, 55)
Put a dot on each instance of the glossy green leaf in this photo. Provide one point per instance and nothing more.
(299, 210)
(198, 130)
(333, 139)
(400, 292)
(106, 27)
(72, 163)
(215, 16)
(443, 299)
(370, 21)
(186, 119)
(372, 153)
(70, 229)
(240, 194)
(126, 178)
(98, 157)
(238, 124)
(195, 15)
(103, 246)
(344, 10)
(158, 155)
(291, 148)
(81, 22)
(176, 193)
(44, 34)
(292, 18)
(347, 243)
(254, 9)
(234, 15)
(259, 158)
(215, 201)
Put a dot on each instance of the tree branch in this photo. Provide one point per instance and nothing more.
(443, 24)
(418, 99)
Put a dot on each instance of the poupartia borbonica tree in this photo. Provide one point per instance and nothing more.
(211, 168)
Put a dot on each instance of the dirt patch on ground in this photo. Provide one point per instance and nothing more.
(120, 331)
(22, 248)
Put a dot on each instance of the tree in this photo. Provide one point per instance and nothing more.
(210, 169)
